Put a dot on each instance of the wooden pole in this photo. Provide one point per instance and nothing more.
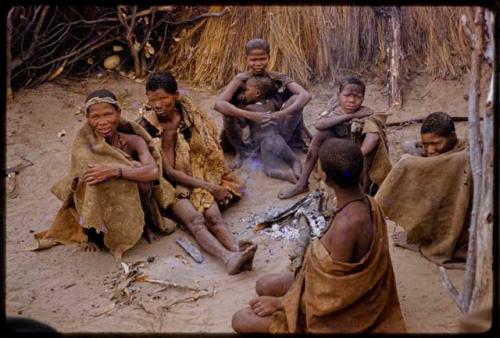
(477, 276)
(483, 283)
(8, 75)
(394, 53)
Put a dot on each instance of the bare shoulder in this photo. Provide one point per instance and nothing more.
(135, 141)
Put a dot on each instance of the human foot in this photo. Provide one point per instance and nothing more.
(90, 247)
(285, 175)
(295, 190)
(236, 260)
(265, 305)
(243, 244)
(150, 235)
(167, 226)
(297, 169)
(238, 161)
(400, 239)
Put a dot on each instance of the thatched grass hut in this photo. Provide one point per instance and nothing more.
(318, 42)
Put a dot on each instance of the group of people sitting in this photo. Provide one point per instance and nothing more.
(132, 178)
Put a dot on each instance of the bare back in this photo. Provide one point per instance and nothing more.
(350, 234)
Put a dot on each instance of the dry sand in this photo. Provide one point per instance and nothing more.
(66, 288)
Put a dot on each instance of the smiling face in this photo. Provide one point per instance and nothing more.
(162, 102)
(350, 98)
(435, 144)
(103, 118)
(257, 60)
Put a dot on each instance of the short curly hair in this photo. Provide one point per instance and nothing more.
(165, 81)
(438, 123)
(342, 162)
(257, 44)
(351, 80)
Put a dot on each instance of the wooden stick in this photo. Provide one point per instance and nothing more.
(8, 42)
(420, 120)
(393, 38)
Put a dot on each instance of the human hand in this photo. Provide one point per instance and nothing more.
(98, 173)
(261, 117)
(265, 305)
(221, 194)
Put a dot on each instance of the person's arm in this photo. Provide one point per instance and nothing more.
(302, 98)
(328, 122)
(370, 143)
(146, 173)
(220, 193)
(225, 107)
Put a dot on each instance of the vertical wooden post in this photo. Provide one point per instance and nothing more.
(475, 143)
(394, 54)
(478, 268)
(8, 71)
(483, 281)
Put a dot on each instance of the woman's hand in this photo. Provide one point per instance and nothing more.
(99, 173)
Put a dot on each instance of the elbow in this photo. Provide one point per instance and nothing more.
(219, 105)
(308, 97)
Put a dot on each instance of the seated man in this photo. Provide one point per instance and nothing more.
(346, 283)
(274, 151)
(108, 194)
(194, 164)
(368, 132)
(430, 195)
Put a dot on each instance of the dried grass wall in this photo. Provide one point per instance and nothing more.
(317, 42)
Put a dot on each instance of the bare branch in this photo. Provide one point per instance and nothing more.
(448, 285)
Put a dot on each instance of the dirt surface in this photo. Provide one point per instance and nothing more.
(68, 289)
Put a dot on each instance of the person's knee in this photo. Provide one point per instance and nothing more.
(196, 222)
(215, 221)
(240, 319)
(262, 285)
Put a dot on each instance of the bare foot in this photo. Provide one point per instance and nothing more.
(238, 259)
(399, 239)
(295, 190)
(149, 234)
(285, 175)
(265, 305)
(238, 161)
(90, 247)
(243, 244)
(297, 169)
(167, 226)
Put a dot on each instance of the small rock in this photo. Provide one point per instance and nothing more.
(150, 259)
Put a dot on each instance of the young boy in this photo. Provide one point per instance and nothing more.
(437, 136)
(370, 136)
(429, 195)
(258, 97)
(346, 283)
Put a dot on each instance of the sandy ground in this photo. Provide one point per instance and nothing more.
(67, 288)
